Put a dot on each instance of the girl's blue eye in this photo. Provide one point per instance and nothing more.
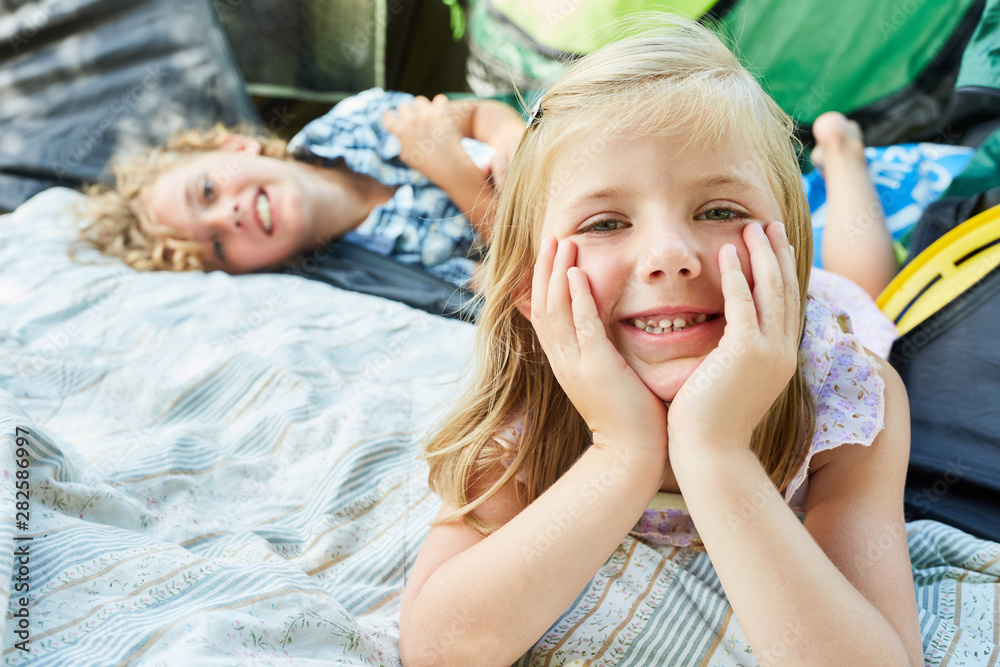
(722, 213)
(608, 225)
(208, 190)
(217, 247)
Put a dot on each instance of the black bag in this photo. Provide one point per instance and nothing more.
(351, 267)
(950, 364)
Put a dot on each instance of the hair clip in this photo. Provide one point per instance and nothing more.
(536, 113)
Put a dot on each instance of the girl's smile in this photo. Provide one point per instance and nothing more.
(266, 212)
(250, 211)
(648, 217)
(690, 333)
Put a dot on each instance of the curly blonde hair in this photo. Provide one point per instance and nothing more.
(684, 77)
(119, 224)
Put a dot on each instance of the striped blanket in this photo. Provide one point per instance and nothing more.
(201, 468)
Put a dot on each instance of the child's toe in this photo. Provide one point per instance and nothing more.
(835, 134)
(816, 156)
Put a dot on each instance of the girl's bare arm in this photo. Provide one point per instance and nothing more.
(485, 601)
(837, 590)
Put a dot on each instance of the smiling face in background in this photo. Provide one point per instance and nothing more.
(649, 216)
(247, 211)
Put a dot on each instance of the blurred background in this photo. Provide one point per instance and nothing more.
(82, 80)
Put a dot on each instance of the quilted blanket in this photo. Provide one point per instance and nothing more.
(212, 469)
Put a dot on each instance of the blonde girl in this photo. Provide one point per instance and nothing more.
(647, 328)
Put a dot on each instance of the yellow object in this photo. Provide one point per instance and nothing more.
(668, 501)
(948, 267)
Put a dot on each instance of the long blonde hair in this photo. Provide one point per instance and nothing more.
(679, 78)
(119, 224)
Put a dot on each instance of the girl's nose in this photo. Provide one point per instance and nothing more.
(671, 253)
(228, 216)
(235, 221)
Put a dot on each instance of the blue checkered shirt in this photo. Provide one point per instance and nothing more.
(419, 225)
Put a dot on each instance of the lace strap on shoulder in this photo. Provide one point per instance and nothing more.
(844, 381)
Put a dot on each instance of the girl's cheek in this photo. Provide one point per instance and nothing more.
(601, 274)
(603, 285)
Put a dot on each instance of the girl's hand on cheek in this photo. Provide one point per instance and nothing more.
(722, 402)
(619, 409)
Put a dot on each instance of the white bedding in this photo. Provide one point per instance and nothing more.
(224, 470)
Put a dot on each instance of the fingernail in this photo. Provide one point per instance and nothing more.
(781, 229)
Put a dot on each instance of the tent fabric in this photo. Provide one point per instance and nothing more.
(981, 59)
(846, 55)
(313, 49)
(983, 171)
(891, 66)
(576, 28)
(82, 80)
(503, 59)
(520, 44)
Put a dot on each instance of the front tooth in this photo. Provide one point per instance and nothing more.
(679, 323)
(264, 211)
(701, 318)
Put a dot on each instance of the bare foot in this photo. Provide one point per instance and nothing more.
(837, 138)
(856, 242)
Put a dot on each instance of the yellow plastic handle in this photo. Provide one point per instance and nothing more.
(948, 267)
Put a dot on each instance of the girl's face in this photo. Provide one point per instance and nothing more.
(247, 211)
(649, 216)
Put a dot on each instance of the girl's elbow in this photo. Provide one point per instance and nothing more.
(427, 643)
(413, 654)
(439, 652)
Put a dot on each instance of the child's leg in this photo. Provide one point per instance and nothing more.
(856, 242)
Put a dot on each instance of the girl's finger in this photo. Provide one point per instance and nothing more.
(594, 342)
(584, 309)
(540, 289)
(741, 313)
(558, 303)
(769, 288)
(789, 273)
